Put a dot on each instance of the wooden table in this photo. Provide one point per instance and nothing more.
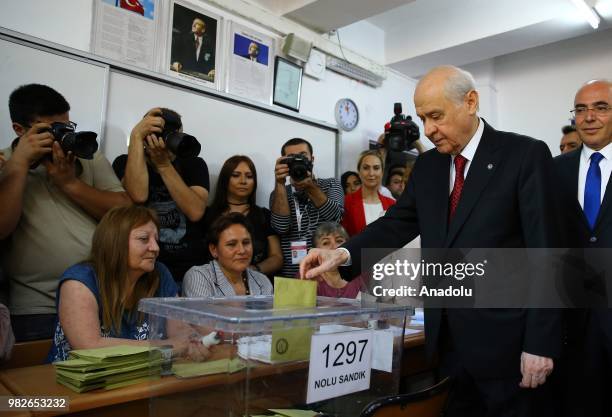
(4, 391)
(133, 400)
(414, 359)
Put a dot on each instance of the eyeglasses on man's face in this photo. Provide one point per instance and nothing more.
(599, 109)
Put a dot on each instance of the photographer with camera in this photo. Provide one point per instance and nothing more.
(162, 170)
(54, 188)
(401, 135)
(299, 207)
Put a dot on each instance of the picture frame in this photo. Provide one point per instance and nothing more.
(287, 84)
(249, 62)
(204, 67)
(127, 31)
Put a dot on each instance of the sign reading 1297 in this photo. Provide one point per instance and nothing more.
(340, 363)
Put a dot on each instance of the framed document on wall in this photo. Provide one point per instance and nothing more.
(250, 64)
(287, 84)
(127, 30)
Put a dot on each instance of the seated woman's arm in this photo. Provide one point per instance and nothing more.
(78, 316)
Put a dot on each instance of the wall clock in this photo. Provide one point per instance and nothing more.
(315, 67)
(347, 114)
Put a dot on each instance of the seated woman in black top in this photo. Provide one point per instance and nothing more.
(235, 193)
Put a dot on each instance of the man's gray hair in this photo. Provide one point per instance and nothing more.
(458, 84)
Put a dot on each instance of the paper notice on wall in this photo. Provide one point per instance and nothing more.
(250, 64)
(125, 30)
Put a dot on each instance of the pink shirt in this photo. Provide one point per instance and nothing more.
(351, 290)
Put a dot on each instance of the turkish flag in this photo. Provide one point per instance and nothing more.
(132, 5)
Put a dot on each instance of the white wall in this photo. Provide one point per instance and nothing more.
(364, 38)
(484, 75)
(531, 91)
(375, 108)
(68, 22)
(536, 87)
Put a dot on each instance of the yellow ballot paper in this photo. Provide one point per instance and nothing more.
(294, 413)
(292, 344)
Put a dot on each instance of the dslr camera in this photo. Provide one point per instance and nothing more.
(401, 131)
(299, 166)
(181, 144)
(82, 144)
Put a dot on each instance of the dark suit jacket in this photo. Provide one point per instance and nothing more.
(354, 220)
(506, 203)
(184, 51)
(587, 284)
(578, 233)
(258, 58)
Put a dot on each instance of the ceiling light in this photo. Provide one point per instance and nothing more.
(587, 13)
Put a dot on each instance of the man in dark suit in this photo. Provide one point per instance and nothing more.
(195, 51)
(586, 195)
(480, 188)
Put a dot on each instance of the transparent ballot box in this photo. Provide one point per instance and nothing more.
(334, 358)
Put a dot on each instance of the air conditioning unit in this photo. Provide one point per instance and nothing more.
(353, 71)
(296, 47)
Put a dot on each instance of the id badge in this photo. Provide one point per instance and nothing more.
(299, 249)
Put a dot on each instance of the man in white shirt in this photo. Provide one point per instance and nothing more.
(583, 176)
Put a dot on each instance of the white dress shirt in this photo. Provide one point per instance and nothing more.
(198, 40)
(468, 153)
(605, 165)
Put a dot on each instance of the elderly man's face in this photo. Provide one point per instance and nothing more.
(448, 124)
(198, 27)
(253, 49)
(569, 142)
(594, 128)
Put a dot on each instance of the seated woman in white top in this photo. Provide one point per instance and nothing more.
(228, 274)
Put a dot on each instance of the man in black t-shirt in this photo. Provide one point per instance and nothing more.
(176, 188)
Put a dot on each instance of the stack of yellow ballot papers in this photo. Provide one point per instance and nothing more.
(109, 367)
(291, 413)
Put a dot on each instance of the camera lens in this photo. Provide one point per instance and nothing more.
(298, 171)
(82, 144)
(183, 145)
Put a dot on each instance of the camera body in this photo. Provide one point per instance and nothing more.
(401, 132)
(299, 166)
(180, 144)
(82, 144)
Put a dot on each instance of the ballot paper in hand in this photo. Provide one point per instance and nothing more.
(292, 344)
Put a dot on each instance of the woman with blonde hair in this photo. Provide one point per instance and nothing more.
(367, 203)
(97, 300)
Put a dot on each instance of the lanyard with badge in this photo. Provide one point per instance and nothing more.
(299, 248)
